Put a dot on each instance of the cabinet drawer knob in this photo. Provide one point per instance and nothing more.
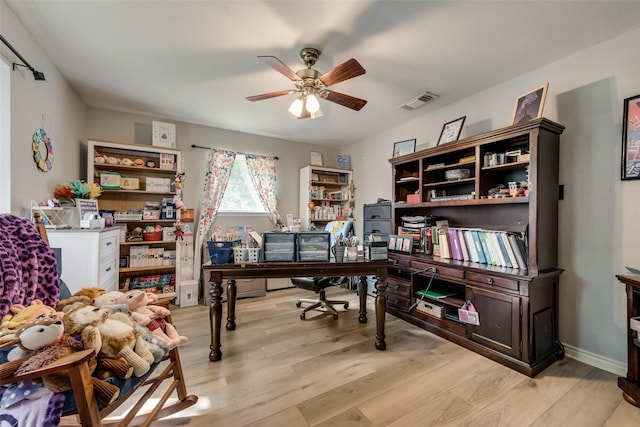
(109, 243)
(490, 281)
(108, 269)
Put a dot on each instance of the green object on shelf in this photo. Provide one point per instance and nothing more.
(436, 294)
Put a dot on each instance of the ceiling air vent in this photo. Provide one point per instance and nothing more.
(419, 101)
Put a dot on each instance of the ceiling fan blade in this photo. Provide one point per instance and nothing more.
(269, 95)
(280, 67)
(345, 71)
(345, 100)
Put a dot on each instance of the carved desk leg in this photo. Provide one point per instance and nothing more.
(231, 304)
(362, 293)
(215, 316)
(381, 307)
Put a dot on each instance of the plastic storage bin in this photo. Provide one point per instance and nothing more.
(279, 247)
(314, 246)
(221, 252)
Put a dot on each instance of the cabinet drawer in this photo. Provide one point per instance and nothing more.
(398, 301)
(107, 267)
(487, 279)
(400, 260)
(108, 242)
(440, 270)
(377, 226)
(379, 211)
(398, 287)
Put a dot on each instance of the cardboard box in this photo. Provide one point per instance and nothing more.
(413, 198)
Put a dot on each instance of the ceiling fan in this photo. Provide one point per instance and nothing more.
(311, 84)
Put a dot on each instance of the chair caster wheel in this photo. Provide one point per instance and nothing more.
(302, 316)
(298, 304)
(346, 306)
(335, 317)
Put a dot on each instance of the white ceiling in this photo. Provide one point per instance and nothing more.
(196, 61)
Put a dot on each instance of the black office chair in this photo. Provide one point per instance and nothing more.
(318, 285)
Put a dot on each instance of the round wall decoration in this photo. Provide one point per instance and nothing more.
(42, 150)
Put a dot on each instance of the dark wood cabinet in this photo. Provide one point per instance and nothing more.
(517, 307)
(499, 327)
(630, 385)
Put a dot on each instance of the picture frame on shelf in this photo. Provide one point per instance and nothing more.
(402, 148)
(315, 177)
(315, 158)
(530, 105)
(86, 206)
(163, 134)
(631, 139)
(344, 161)
(451, 130)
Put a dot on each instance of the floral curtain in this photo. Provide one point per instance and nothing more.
(215, 182)
(262, 170)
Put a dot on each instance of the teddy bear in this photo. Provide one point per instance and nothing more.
(42, 342)
(112, 335)
(156, 345)
(151, 316)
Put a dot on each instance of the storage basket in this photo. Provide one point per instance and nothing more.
(240, 255)
(221, 252)
(152, 236)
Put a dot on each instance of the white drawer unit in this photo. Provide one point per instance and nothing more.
(89, 257)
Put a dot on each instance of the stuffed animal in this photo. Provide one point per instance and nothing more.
(112, 335)
(46, 343)
(21, 314)
(156, 345)
(151, 316)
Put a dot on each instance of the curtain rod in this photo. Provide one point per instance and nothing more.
(237, 152)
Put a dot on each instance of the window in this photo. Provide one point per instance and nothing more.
(241, 196)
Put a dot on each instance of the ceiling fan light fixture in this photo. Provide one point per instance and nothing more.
(316, 114)
(296, 107)
(312, 103)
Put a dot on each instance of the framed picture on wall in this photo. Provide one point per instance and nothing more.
(404, 147)
(316, 158)
(529, 106)
(631, 138)
(163, 134)
(451, 131)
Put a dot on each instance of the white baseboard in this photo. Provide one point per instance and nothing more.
(596, 360)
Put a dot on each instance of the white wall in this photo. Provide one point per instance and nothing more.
(597, 219)
(51, 104)
(129, 128)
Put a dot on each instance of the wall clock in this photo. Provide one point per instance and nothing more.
(42, 148)
(163, 134)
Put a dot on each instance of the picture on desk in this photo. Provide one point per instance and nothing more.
(400, 244)
(392, 243)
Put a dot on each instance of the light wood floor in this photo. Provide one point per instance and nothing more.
(277, 370)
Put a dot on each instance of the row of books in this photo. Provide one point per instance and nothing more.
(498, 248)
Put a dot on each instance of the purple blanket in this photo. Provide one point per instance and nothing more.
(27, 265)
(27, 272)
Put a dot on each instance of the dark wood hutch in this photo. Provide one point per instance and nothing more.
(518, 308)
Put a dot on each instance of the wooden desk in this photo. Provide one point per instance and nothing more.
(232, 272)
(630, 385)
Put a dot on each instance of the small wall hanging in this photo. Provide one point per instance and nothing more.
(42, 148)
(163, 134)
